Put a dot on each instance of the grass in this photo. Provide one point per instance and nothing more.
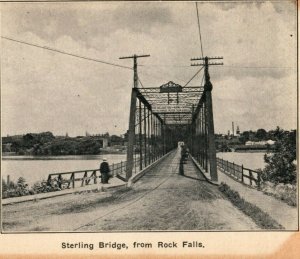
(261, 218)
(284, 192)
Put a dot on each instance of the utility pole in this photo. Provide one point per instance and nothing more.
(131, 131)
(210, 119)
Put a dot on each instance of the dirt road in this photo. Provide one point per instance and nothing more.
(160, 200)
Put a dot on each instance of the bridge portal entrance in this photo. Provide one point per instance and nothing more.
(160, 117)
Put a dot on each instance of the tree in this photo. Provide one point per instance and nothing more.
(245, 135)
(281, 167)
(21, 181)
(261, 134)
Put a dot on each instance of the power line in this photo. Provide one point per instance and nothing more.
(202, 79)
(193, 76)
(140, 82)
(158, 77)
(259, 67)
(199, 29)
(155, 65)
(66, 53)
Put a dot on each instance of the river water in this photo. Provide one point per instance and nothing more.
(251, 160)
(35, 169)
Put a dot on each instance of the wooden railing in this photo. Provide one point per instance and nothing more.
(85, 177)
(240, 173)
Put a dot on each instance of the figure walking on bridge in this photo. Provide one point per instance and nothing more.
(104, 170)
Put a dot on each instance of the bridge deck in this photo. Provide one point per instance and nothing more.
(160, 200)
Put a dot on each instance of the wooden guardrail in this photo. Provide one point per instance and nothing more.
(240, 173)
(68, 179)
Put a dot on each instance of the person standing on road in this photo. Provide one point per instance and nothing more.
(104, 170)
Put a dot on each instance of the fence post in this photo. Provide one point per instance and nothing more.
(95, 177)
(242, 173)
(73, 180)
(83, 178)
(258, 180)
(233, 167)
(227, 166)
(49, 180)
(121, 167)
(250, 174)
(59, 181)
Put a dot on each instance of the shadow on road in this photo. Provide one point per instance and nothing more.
(194, 178)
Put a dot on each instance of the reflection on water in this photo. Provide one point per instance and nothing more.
(37, 168)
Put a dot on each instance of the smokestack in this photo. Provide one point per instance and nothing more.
(232, 128)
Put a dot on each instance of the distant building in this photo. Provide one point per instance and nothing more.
(270, 142)
(260, 143)
(238, 133)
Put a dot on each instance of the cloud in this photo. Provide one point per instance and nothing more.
(83, 22)
(255, 103)
(62, 93)
(130, 15)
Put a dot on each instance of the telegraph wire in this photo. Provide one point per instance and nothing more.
(237, 66)
(252, 67)
(199, 29)
(141, 82)
(202, 80)
(158, 77)
(194, 76)
(65, 53)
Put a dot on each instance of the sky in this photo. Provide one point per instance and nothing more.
(47, 91)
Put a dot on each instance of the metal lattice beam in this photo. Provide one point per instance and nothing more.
(172, 107)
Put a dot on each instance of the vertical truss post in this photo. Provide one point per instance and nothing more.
(198, 139)
(132, 116)
(140, 135)
(210, 125)
(206, 137)
(209, 121)
(155, 149)
(164, 136)
(202, 135)
(145, 137)
(148, 136)
(131, 134)
(152, 145)
(193, 133)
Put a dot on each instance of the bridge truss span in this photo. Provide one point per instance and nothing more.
(160, 117)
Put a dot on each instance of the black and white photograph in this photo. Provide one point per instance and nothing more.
(125, 117)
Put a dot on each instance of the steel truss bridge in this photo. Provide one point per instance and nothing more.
(162, 116)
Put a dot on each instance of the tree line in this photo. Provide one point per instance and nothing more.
(46, 143)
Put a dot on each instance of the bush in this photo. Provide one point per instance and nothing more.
(281, 166)
(22, 189)
(43, 186)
